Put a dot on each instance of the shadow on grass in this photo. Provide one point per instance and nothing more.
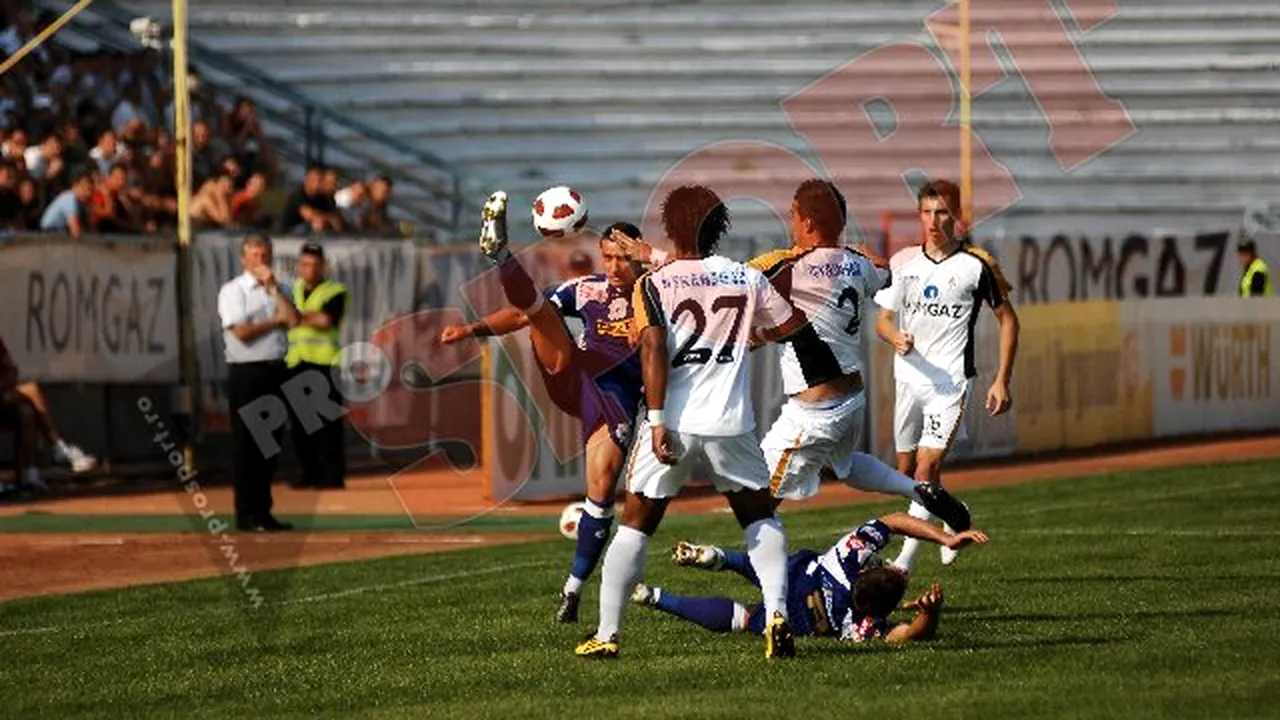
(1172, 578)
(1136, 615)
(953, 645)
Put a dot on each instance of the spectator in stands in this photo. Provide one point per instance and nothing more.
(112, 209)
(75, 156)
(44, 161)
(206, 152)
(128, 111)
(30, 210)
(66, 214)
(107, 152)
(10, 205)
(308, 209)
(232, 167)
(352, 201)
(248, 141)
(15, 146)
(377, 218)
(246, 211)
(211, 205)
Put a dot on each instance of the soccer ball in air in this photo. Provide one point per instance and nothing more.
(569, 519)
(559, 212)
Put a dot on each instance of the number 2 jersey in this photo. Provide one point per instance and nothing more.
(708, 307)
(829, 284)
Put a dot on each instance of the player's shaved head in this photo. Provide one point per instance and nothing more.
(944, 190)
(878, 591)
(695, 219)
(820, 203)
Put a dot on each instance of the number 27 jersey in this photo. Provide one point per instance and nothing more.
(708, 307)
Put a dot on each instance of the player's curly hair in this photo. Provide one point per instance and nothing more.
(821, 203)
(878, 591)
(694, 217)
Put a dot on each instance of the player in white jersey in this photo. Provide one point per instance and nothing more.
(820, 428)
(929, 313)
(694, 317)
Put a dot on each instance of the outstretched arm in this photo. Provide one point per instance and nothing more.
(502, 322)
(925, 624)
(903, 524)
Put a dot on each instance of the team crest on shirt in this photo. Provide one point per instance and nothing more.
(591, 291)
(618, 309)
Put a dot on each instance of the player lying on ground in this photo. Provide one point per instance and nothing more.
(599, 382)
(846, 592)
(820, 428)
(694, 316)
(928, 314)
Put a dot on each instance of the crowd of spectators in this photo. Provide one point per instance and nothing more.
(86, 146)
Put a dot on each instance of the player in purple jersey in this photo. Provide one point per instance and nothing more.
(596, 379)
(847, 592)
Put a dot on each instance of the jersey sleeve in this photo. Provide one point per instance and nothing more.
(889, 296)
(771, 308)
(646, 305)
(989, 289)
(875, 534)
(854, 629)
(565, 298)
(999, 287)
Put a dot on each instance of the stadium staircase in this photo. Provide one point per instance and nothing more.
(528, 93)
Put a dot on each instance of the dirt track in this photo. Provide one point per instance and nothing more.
(61, 563)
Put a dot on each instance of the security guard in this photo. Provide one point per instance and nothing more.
(1256, 279)
(314, 348)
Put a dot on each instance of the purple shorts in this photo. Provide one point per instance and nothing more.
(607, 399)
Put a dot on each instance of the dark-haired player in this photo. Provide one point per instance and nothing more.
(929, 314)
(820, 427)
(597, 381)
(846, 592)
(695, 316)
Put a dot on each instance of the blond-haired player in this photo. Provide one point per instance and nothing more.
(929, 314)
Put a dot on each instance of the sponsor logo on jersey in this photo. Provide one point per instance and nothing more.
(616, 328)
(589, 291)
(930, 292)
(935, 309)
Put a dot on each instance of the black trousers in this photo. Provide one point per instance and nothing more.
(253, 469)
(323, 452)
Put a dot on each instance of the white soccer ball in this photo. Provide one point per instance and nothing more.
(569, 519)
(560, 212)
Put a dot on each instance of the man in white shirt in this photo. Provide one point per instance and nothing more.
(929, 314)
(256, 312)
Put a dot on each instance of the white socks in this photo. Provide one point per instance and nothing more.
(911, 546)
(870, 473)
(572, 586)
(623, 564)
(767, 548)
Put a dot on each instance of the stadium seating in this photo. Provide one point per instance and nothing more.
(526, 94)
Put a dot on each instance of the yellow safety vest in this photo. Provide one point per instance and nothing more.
(1246, 280)
(313, 345)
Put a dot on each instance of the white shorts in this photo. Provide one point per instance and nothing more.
(929, 416)
(807, 437)
(733, 463)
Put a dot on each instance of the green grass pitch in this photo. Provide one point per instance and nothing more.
(1150, 595)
